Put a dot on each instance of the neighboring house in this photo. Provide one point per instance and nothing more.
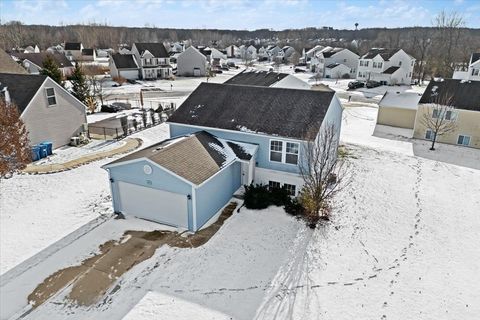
(103, 53)
(124, 65)
(268, 79)
(472, 72)
(33, 62)
(398, 109)
(123, 49)
(388, 66)
(342, 60)
(177, 47)
(50, 113)
(31, 49)
(249, 52)
(309, 53)
(464, 97)
(262, 53)
(88, 55)
(191, 62)
(8, 65)
(217, 54)
(288, 52)
(73, 50)
(153, 60)
(223, 137)
(233, 51)
(336, 71)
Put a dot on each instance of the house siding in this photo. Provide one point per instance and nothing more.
(159, 179)
(57, 123)
(396, 117)
(263, 141)
(190, 59)
(468, 123)
(216, 192)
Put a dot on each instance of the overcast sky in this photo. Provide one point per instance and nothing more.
(237, 14)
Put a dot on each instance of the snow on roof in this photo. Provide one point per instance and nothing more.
(404, 100)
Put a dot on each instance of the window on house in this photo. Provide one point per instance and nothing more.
(366, 63)
(475, 72)
(276, 149)
(448, 115)
(463, 140)
(429, 134)
(410, 75)
(291, 189)
(380, 64)
(361, 63)
(291, 155)
(399, 63)
(435, 113)
(50, 92)
(374, 64)
(413, 62)
(344, 60)
(273, 185)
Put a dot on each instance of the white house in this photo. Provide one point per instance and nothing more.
(31, 49)
(274, 53)
(124, 65)
(249, 52)
(333, 58)
(268, 79)
(153, 60)
(233, 51)
(309, 53)
(217, 54)
(73, 50)
(177, 47)
(473, 70)
(388, 66)
(288, 51)
(191, 62)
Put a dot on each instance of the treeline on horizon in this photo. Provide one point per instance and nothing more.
(448, 34)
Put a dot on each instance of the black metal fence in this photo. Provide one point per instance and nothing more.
(129, 124)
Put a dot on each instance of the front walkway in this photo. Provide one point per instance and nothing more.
(130, 145)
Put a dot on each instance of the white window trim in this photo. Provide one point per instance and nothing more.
(284, 152)
(464, 136)
(54, 96)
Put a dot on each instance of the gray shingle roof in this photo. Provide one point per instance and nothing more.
(72, 45)
(157, 49)
(391, 70)
(8, 65)
(264, 110)
(386, 54)
(475, 57)
(124, 61)
(38, 58)
(256, 78)
(461, 94)
(195, 157)
(21, 87)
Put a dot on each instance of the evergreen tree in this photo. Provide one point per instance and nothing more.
(51, 69)
(80, 87)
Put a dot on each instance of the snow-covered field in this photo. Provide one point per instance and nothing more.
(402, 244)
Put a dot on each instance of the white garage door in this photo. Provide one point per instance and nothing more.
(152, 204)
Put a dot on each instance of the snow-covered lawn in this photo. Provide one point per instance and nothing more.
(38, 210)
(67, 153)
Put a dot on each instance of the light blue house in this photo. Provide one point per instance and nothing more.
(223, 136)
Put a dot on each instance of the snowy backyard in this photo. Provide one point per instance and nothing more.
(402, 243)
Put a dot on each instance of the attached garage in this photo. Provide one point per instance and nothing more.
(153, 204)
(398, 109)
(181, 182)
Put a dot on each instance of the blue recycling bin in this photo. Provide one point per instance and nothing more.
(49, 147)
(35, 153)
(43, 151)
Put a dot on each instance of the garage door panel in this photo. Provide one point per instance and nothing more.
(153, 204)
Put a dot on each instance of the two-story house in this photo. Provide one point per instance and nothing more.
(222, 137)
(472, 72)
(33, 62)
(388, 66)
(334, 63)
(233, 51)
(50, 112)
(192, 63)
(463, 106)
(153, 60)
(73, 50)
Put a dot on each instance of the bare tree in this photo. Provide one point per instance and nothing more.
(421, 43)
(450, 32)
(439, 117)
(324, 173)
(15, 152)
